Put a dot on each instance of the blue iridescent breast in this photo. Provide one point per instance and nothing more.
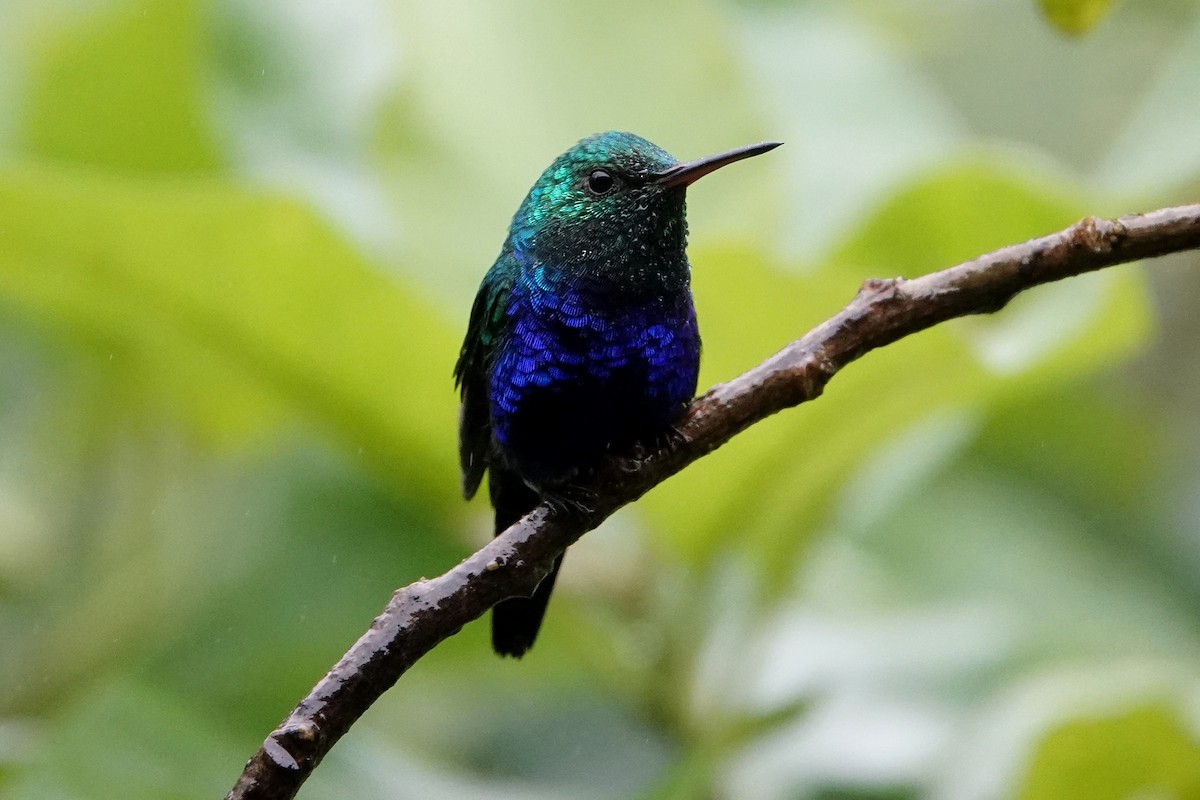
(579, 373)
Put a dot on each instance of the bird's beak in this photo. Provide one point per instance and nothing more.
(685, 174)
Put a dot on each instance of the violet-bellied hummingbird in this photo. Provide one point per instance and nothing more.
(583, 335)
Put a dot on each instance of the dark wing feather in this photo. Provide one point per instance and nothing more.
(485, 332)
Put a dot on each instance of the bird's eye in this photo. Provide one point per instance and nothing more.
(599, 182)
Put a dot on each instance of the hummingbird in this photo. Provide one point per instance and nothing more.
(582, 338)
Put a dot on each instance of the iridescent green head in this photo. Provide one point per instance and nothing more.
(612, 209)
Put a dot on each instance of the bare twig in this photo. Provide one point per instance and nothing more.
(421, 615)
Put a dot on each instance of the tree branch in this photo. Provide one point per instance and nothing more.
(421, 615)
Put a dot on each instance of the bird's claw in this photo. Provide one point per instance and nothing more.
(571, 499)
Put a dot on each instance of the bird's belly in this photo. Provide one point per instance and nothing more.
(562, 396)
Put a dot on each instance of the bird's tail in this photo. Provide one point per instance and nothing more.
(516, 621)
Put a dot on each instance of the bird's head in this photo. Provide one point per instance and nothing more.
(612, 207)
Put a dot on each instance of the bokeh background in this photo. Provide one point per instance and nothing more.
(238, 243)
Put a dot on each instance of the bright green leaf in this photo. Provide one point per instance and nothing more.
(234, 313)
(123, 88)
(1076, 17)
(1145, 752)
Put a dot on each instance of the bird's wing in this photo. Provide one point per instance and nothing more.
(484, 334)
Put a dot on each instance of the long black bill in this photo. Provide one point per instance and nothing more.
(685, 174)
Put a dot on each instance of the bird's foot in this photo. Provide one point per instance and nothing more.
(670, 439)
(642, 450)
(570, 499)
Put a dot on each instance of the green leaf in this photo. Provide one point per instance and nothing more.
(122, 88)
(1145, 752)
(1076, 17)
(235, 313)
(1050, 438)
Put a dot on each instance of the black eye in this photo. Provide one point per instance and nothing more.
(599, 182)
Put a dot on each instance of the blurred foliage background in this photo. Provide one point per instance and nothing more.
(238, 243)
